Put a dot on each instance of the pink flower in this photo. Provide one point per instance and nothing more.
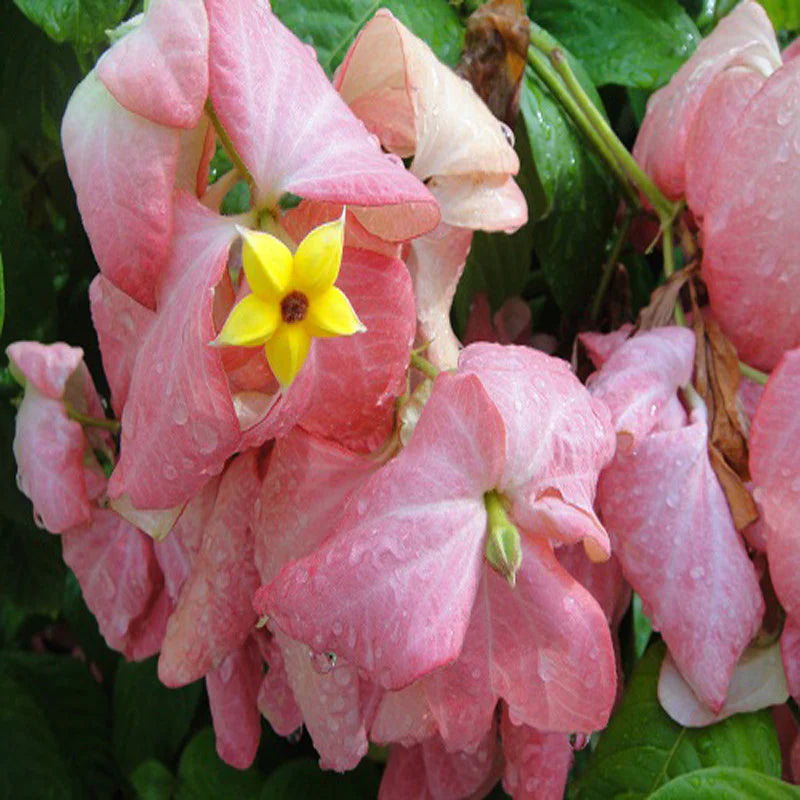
(418, 107)
(392, 589)
(667, 515)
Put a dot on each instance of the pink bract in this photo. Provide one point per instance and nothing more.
(56, 468)
(413, 535)
(750, 239)
(668, 518)
(160, 69)
(775, 466)
(313, 146)
(744, 38)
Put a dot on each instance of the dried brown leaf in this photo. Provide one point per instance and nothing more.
(743, 508)
(661, 309)
(495, 53)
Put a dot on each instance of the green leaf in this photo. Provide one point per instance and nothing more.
(31, 568)
(77, 715)
(83, 626)
(784, 14)
(202, 775)
(642, 629)
(569, 242)
(303, 778)
(150, 720)
(81, 23)
(726, 783)
(331, 25)
(629, 42)
(498, 263)
(36, 80)
(642, 748)
(34, 766)
(2, 295)
(152, 781)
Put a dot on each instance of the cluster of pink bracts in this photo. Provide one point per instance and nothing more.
(318, 556)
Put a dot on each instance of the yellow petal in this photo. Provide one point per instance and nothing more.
(251, 322)
(330, 314)
(287, 351)
(318, 258)
(267, 264)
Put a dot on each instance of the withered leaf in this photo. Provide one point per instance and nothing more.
(660, 311)
(716, 378)
(495, 52)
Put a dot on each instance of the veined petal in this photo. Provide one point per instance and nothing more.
(287, 351)
(318, 258)
(267, 264)
(331, 314)
(251, 322)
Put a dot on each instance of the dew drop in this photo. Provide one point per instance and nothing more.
(507, 133)
(322, 663)
(696, 573)
(180, 414)
(170, 473)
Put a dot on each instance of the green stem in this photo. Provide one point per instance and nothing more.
(543, 68)
(424, 366)
(665, 209)
(608, 269)
(111, 425)
(753, 373)
(222, 134)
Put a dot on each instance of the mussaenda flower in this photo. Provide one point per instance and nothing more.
(292, 298)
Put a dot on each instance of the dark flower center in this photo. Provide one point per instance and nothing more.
(294, 307)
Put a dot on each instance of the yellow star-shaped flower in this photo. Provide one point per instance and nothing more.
(292, 298)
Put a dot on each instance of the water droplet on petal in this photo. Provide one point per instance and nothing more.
(322, 663)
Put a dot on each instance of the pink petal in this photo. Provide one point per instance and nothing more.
(49, 447)
(177, 436)
(47, 368)
(775, 467)
(194, 157)
(746, 37)
(404, 717)
(308, 215)
(160, 70)
(214, 613)
(411, 538)
(127, 213)
(313, 147)
(715, 120)
(790, 654)
(673, 534)
(275, 696)
(749, 258)
(121, 582)
(358, 378)
(177, 552)
(558, 438)
(436, 262)
(330, 703)
(757, 682)
(487, 203)
(232, 693)
(641, 377)
(121, 325)
(545, 646)
(428, 771)
(604, 581)
(600, 346)
(307, 484)
(396, 84)
(537, 763)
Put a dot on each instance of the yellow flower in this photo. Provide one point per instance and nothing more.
(292, 298)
